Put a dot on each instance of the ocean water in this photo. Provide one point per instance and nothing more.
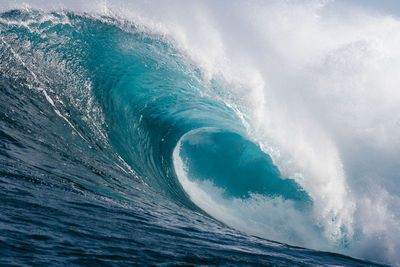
(170, 133)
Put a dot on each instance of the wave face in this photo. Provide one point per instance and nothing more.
(127, 138)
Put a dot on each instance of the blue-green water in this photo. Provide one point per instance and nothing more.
(105, 131)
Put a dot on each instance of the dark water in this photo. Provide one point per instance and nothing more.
(91, 111)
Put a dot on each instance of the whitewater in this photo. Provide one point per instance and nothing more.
(199, 132)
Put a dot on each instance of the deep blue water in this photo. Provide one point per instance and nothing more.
(92, 109)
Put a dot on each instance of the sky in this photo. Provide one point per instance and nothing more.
(391, 7)
(381, 6)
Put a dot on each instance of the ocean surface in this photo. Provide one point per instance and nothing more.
(198, 134)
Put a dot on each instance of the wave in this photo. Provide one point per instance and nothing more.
(287, 132)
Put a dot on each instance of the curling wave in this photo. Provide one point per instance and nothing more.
(99, 106)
